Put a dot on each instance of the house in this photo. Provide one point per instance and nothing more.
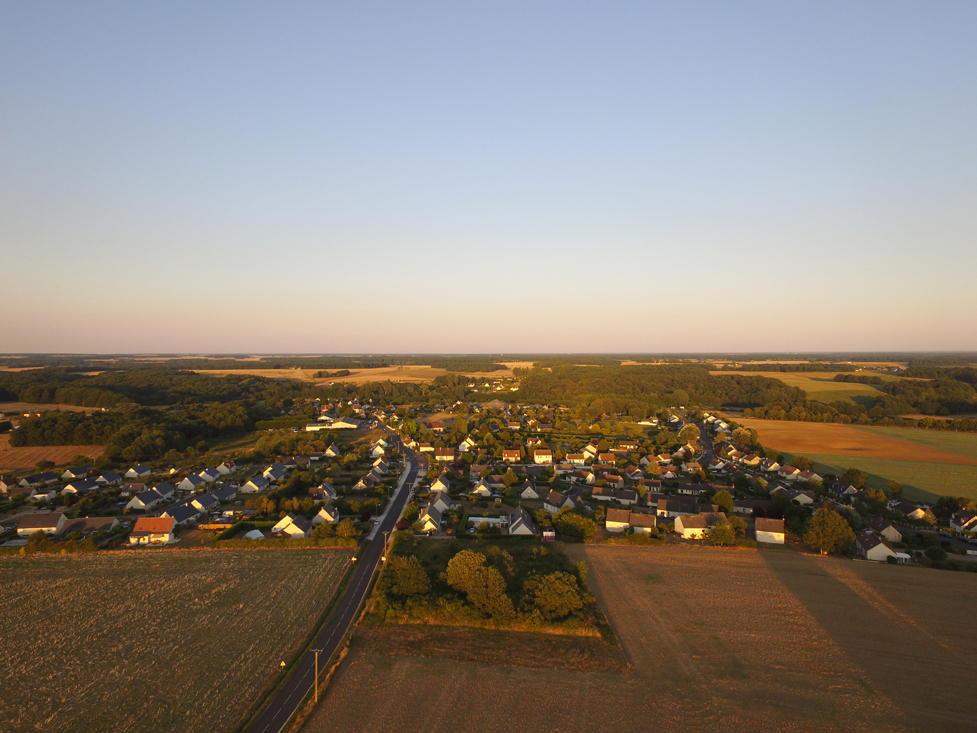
(49, 523)
(435, 426)
(482, 488)
(153, 531)
(165, 490)
(190, 483)
(527, 491)
(442, 501)
(908, 510)
(132, 489)
(589, 451)
(182, 513)
(697, 526)
(38, 479)
(543, 457)
(608, 458)
(444, 454)
(808, 476)
(140, 471)
(887, 529)
(770, 530)
(332, 451)
(109, 478)
(643, 523)
(210, 475)
(668, 473)
(466, 445)
(90, 525)
(617, 520)
(328, 514)
(323, 492)
(425, 448)
(430, 518)
(962, 521)
(292, 525)
(254, 485)
(82, 486)
(624, 496)
(43, 493)
(626, 446)
(788, 472)
(75, 473)
(555, 501)
(577, 459)
(224, 493)
(441, 484)
(227, 467)
(6, 484)
(512, 456)
(750, 507)
(144, 502)
(204, 502)
(520, 523)
(378, 450)
(274, 473)
(872, 547)
(676, 506)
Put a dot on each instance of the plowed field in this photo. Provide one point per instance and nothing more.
(15, 459)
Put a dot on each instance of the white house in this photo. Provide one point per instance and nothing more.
(327, 514)
(430, 518)
(770, 531)
(617, 520)
(75, 473)
(145, 501)
(210, 475)
(520, 523)
(50, 523)
(440, 484)
(555, 501)
(153, 531)
(292, 525)
(527, 491)
(482, 488)
(140, 471)
(190, 483)
(697, 526)
(872, 547)
(543, 457)
(256, 484)
(332, 451)
(442, 501)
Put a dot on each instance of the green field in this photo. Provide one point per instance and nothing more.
(827, 390)
(921, 480)
(961, 444)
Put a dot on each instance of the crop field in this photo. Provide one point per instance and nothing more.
(153, 640)
(961, 444)
(921, 480)
(820, 386)
(415, 374)
(15, 459)
(719, 640)
(34, 407)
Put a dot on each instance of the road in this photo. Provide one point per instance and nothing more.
(276, 716)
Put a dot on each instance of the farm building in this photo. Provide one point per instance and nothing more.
(770, 530)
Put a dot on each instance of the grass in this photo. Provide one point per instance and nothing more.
(821, 386)
(719, 640)
(153, 640)
(921, 480)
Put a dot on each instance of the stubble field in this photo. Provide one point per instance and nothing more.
(719, 640)
(153, 640)
(415, 374)
(15, 459)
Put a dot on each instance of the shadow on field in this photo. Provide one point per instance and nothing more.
(925, 677)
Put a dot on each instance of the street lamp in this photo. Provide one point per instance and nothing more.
(315, 682)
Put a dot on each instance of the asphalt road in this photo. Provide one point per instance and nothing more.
(278, 713)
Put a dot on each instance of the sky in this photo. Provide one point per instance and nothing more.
(362, 177)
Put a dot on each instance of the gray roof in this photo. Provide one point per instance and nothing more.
(183, 512)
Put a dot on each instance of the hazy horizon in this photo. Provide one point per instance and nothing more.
(492, 178)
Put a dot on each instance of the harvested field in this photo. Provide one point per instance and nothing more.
(34, 407)
(719, 640)
(844, 440)
(15, 459)
(155, 640)
(961, 444)
(415, 374)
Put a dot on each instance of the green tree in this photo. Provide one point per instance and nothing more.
(509, 478)
(827, 531)
(935, 553)
(855, 477)
(894, 487)
(721, 534)
(739, 526)
(689, 434)
(724, 500)
(461, 569)
(323, 531)
(555, 595)
(486, 591)
(346, 528)
(408, 578)
(573, 526)
(801, 462)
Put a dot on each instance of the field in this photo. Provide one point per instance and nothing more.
(22, 407)
(719, 640)
(153, 640)
(821, 387)
(14, 459)
(928, 463)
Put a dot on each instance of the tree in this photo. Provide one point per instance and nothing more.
(739, 527)
(572, 526)
(936, 554)
(689, 434)
(947, 506)
(461, 569)
(407, 577)
(555, 595)
(510, 478)
(44, 465)
(323, 531)
(724, 500)
(894, 487)
(721, 534)
(801, 462)
(855, 477)
(346, 528)
(486, 592)
(828, 531)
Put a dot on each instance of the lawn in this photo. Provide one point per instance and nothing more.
(921, 480)
(719, 640)
(156, 640)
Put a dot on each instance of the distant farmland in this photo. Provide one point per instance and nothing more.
(820, 386)
(720, 640)
(156, 640)
(14, 459)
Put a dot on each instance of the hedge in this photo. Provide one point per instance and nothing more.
(284, 543)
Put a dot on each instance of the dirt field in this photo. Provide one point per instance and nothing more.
(156, 640)
(15, 459)
(843, 440)
(416, 374)
(719, 640)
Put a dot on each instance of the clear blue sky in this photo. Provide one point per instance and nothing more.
(479, 177)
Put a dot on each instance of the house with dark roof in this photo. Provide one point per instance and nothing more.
(75, 473)
(183, 513)
(81, 487)
(555, 501)
(872, 547)
(140, 471)
(48, 522)
(520, 523)
(770, 531)
(698, 526)
(527, 490)
(144, 501)
(90, 525)
(887, 529)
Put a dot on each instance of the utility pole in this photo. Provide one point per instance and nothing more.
(315, 682)
(384, 557)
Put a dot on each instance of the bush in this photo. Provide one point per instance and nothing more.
(936, 554)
